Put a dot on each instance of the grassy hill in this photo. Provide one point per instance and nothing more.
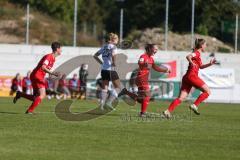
(43, 28)
(176, 41)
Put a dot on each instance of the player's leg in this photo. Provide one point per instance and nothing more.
(200, 84)
(24, 95)
(185, 89)
(144, 96)
(124, 91)
(203, 96)
(141, 84)
(104, 93)
(133, 97)
(113, 98)
(182, 96)
(37, 100)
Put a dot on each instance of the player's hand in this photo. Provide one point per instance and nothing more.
(213, 61)
(168, 70)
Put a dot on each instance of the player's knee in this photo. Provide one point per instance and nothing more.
(208, 92)
(43, 95)
(182, 98)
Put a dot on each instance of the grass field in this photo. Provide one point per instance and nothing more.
(215, 134)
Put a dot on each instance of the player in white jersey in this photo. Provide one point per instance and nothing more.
(108, 73)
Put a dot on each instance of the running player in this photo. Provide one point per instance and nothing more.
(145, 63)
(38, 78)
(108, 73)
(191, 79)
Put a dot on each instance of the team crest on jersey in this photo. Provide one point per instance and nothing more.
(141, 60)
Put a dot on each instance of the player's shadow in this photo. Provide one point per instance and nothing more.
(63, 112)
(9, 113)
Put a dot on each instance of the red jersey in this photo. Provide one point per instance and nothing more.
(196, 58)
(145, 63)
(48, 60)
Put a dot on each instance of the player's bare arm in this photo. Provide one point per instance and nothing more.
(212, 61)
(161, 68)
(189, 58)
(97, 58)
(44, 68)
(113, 60)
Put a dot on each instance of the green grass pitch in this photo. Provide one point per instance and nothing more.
(214, 135)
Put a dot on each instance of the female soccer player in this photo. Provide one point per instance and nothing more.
(145, 63)
(191, 79)
(108, 73)
(38, 78)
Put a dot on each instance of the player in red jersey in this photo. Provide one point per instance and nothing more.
(191, 79)
(145, 63)
(38, 78)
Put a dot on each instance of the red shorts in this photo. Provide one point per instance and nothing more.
(191, 80)
(37, 83)
(143, 86)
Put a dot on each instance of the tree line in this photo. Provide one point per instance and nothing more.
(141, 14)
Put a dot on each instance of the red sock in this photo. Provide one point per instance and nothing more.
(174, 104)
(201, 98)
(145, 104)
(27, 96)
(35, 103)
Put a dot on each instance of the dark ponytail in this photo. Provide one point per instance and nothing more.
(148, 47)
(198, 43)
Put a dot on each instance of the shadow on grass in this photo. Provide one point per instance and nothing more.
(62, 111)
(9, 113)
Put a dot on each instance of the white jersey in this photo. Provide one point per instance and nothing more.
(107, 51)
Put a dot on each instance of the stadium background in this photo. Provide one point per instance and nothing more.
(27, 28)
(85, 23)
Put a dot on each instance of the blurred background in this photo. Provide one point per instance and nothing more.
(46, 20)
(27, 28)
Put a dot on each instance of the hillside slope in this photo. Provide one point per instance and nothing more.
(43, 28)
(179, 42)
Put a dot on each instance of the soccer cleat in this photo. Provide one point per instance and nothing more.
(194, 108)
(30, 113)
(16, 97)
(167, 114)
(123, 92)
(142, 115)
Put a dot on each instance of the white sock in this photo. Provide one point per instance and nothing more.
(112, 97)
(104, 95)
